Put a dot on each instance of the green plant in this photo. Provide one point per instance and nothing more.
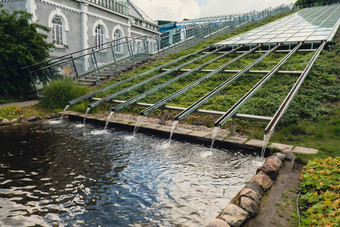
(320, 188)
(10, 112)
(58, 92)
(20, 45)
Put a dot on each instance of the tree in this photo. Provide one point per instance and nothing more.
(318, 2)
(21, 44)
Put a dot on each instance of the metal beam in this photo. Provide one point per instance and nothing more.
(167, 83)
(207, 112)
(237, 71)
(188, 87)
(232, 111)
(79, 99)
(264, 51)
(285, 104)
(107, 98)
(204, 99)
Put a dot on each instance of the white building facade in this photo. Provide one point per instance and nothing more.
(79, 24)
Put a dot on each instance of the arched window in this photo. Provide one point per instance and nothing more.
(99, 36)
(57, 30)
(117, 37)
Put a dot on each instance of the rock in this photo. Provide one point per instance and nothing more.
(234, 215)
(23, 119)
(256, 187)
(270, 170)
(14, 121)
(274, 162)
(5, 122)
(251, 194)
(278, 161)
(289, 154)
(218, 223)
(53, 116)
(249, 205)
(280, 156)
(263, 180)
(34, 118)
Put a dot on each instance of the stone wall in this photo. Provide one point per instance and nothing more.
(246, 203)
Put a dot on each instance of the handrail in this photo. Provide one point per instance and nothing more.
(83, 50)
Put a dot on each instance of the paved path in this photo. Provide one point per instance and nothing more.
(20, 104)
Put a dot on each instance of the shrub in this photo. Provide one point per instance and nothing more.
(59, 92)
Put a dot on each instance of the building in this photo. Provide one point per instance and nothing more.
(79, 24)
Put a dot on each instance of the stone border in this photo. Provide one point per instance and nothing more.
(22, 119)
(246, 204)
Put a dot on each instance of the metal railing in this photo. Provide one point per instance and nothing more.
(91, 60)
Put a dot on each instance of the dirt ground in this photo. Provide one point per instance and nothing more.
(278, 206)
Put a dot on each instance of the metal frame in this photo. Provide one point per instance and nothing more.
(195, 83)
(285, 104)
(79, 99)
(232, 111)
(108, 98)
(204, 99)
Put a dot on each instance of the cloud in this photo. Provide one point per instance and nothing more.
(169, 9)
(180, 9)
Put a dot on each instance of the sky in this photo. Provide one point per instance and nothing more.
(177, 10)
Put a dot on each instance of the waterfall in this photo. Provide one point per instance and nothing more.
(174, 126)
(62, 115)
(87, 111)
(108, 119)
(213, 136)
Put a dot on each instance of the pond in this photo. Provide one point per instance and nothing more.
(68, 175)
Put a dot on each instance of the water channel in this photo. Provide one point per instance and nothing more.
(64, 175)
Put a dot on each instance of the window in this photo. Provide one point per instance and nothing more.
(99, 36)
(117, 37)
(57, 31)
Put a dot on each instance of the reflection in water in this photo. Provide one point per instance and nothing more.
(55, 174)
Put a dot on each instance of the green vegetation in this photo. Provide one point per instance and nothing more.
(58, 92)
(10, 112)
(317, 2)
(320, 189)
(20, 45)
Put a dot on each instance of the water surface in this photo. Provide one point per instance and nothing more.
(66, 175)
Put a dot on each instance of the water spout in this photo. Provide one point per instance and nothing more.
(174, 126)
(87, 111)
(213, 136)
(136, 126)
(62, 115)
(266, 139)
(108, 119)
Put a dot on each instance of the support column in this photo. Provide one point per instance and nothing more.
(31, 7)
(84, 32)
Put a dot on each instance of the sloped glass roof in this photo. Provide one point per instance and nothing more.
(311, 24)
